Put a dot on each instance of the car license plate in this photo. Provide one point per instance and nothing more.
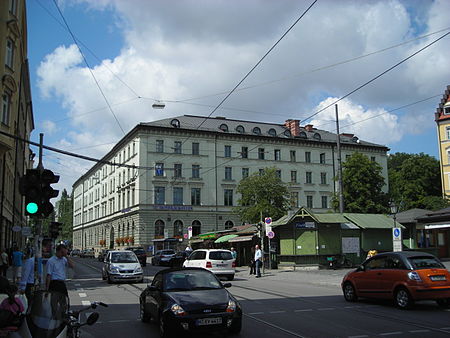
(437, 278)
(208, 321)
(221, 265)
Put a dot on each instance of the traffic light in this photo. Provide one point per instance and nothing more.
(30, 187)
(55, 229)
(47, 192)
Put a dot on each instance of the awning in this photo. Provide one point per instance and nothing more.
(192, 241)
(241, 239)
(436, 226)
(225, 238)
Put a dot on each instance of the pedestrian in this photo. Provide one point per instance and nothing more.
(258, 261)
(26, 285)
(188, 249)
(4, 262)
(233, 253)
(252, 261)
(17, 257)
(57, 270)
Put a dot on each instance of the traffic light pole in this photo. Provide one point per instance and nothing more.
(41, 147)
(38, 225)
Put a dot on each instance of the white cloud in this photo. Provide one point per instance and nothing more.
(196, 48)
(49, 126)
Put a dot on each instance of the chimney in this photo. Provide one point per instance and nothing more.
(309, 127)
(293, 126)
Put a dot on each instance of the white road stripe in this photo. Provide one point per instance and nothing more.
(77, 284)
(82, 295)
(303, 310)
(277, 311)
(256, 313)
(419, 331)
(326, 308)
(391, 333)
(85, 303)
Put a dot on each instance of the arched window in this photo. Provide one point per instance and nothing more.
(159, 229)
(257, 131)
(175, 123)
(223, 127)
(317, 136)
(178, 228)
(272, 132)
(240, 129)
(302, 134)
(196, 228)
(229, 224)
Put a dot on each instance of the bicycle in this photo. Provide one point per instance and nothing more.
(339, 261)
(74, 323)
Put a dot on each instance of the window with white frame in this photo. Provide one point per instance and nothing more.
(6, 108)
(9, 60)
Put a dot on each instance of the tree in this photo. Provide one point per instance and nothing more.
(415, 180)
(65, 215)
(362, 183)
(262, 195)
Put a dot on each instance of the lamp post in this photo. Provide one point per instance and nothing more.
(394, 210)
(396, 231)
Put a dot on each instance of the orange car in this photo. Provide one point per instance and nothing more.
(405, 277)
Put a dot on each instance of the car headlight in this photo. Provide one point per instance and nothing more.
(413, 275)
(138, 269)
(114, 269)
(231, 306)
(177, 310)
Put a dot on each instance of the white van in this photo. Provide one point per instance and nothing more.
(218, 261)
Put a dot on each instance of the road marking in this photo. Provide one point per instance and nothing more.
(390, 333)
(77, 284)
(82, 295)
(256, 313)
(445, 328)
(85, 303)
(326, 308)
(419, 331)
(303, 310)
(119, 321)
(277, 311)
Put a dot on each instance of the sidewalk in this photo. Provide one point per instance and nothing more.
(320, 277)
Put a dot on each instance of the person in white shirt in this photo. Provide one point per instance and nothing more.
(258, 261)
(57, 270)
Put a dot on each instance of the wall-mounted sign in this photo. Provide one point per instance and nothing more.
(305, 225)
(173, 207)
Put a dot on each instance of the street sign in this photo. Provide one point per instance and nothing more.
(16, 228)
(268, 220)
(166, 233)
(396, 239)
(271, 234)
(189, 232)
(26, 231)
(185, 236)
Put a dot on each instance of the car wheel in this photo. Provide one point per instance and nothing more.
(164, 330)
(109, 279)
(349, 292)
(443, 303)
(153, 262)
(230, 277)
(403, 299)
(145, 317)
(103, 276)
(236, 326)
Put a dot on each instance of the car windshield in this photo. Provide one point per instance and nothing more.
(190, 280)
(123, 257)
(167, 252)
(220, 255)
(139, 251)
(425, 263)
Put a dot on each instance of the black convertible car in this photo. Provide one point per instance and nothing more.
(190, 299)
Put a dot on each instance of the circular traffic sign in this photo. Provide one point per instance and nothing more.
(268, 220)
(396, 232)
(271, 234)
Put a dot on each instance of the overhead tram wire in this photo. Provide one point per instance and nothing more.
(90, 70)
(376, 77)
(249, 72)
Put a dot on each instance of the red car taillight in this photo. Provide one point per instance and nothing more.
(233, 265)
(208, 264)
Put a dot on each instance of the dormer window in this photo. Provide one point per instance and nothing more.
(447, 108)
(272, 132)
(317, 136)
(257, 131)
(240, 129)
(302, 134)
(175, 123)
(287, 133)
(223, 127)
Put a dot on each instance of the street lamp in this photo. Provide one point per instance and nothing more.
(394, 210)
(158, 105)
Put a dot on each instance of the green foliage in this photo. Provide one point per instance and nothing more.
(415, 180)
(262, 195)
(362, 184)
(65, 215)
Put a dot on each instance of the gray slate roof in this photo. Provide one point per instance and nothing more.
(409, 216)
(213, 124)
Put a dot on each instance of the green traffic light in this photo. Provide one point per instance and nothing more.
(32, 208)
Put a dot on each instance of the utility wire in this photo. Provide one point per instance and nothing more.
(87, 64)
(376, 77)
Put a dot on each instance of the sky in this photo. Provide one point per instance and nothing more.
(191, 53)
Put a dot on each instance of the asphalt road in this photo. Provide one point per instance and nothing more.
(280, 304)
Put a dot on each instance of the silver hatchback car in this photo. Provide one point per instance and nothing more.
(122, 266)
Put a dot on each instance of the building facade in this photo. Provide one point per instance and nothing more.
(442, 118)
(16, 118)
(168, 176)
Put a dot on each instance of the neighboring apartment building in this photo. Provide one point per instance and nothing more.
(189, 169)
(442, 118)
(16, 117)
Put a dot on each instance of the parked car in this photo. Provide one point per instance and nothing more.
(140, 253)
(178, 259)
(218, 261)
(122, 266)
(75, 253)
(87, 253)
(162, 257)
(405, 277)
(190, 299)
(102, 254)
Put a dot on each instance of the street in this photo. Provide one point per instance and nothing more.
(281, 304)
